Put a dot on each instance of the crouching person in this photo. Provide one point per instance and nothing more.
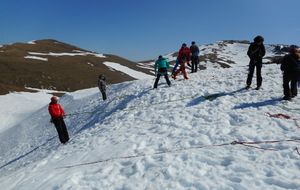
(57, 117)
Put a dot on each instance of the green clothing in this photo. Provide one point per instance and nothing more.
(161, 63)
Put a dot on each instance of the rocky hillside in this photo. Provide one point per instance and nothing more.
(50, 64)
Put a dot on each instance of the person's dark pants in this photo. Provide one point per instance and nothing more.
(255, 64)
(165, 73)
(61, 130)
(195, 61)
(103, 95)
(290, 80)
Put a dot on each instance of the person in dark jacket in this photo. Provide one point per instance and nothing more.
(161, 67)
(57, 114)
(256, 52)
(290, 66)
(195, 56)
(102, 86)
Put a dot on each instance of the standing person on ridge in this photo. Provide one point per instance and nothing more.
(102, 86)
(184, 56)
(57, 117)
(162, 66)
(195, 56)
(256, 52)
(290, 66)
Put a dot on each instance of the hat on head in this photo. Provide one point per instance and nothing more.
(53, 99)
(258, 39)
(293, 50)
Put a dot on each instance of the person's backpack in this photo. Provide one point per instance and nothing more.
(297, 70)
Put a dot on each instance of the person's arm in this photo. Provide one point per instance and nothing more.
(262, 51)
(62, 111)
(155, 66)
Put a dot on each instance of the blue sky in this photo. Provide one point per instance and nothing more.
(143, 29)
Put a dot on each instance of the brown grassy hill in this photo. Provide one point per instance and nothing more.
(50, 64)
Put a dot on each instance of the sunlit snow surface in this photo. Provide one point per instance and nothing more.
(176, 137)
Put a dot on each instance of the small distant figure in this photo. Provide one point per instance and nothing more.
(57, 117)
(256, 52)
(102, 86)
(162, 66)
(184, 56)
(195, 56)
(290, 66)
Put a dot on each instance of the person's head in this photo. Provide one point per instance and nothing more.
(183, 45)
(258, 39)
(193, 43)
(102, 77)
(294, 50)
(159, 57)
(54, 100)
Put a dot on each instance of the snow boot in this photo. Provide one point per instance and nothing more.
(287, 98)
(257, 88)
(175, 74)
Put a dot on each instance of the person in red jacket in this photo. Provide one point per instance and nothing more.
(184, 56)
(57, 117)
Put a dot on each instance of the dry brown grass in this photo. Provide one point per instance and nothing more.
(63, 73)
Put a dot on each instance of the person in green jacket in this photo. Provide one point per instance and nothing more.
(161, 67)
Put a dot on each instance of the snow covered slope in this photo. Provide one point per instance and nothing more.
(177, 137)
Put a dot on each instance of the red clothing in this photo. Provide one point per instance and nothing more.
(56, 111)
(185, 51)
(181, 69)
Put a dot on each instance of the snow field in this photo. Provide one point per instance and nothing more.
(164, 138)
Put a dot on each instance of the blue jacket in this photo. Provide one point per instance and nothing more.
(161, 63)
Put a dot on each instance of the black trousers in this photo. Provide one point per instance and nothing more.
(161, 71)
(290, 80)
(255, 64)
(195, 61)
(103, 95)
(61, 130)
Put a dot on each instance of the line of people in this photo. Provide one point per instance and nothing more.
(185, 55)
(290, 67)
